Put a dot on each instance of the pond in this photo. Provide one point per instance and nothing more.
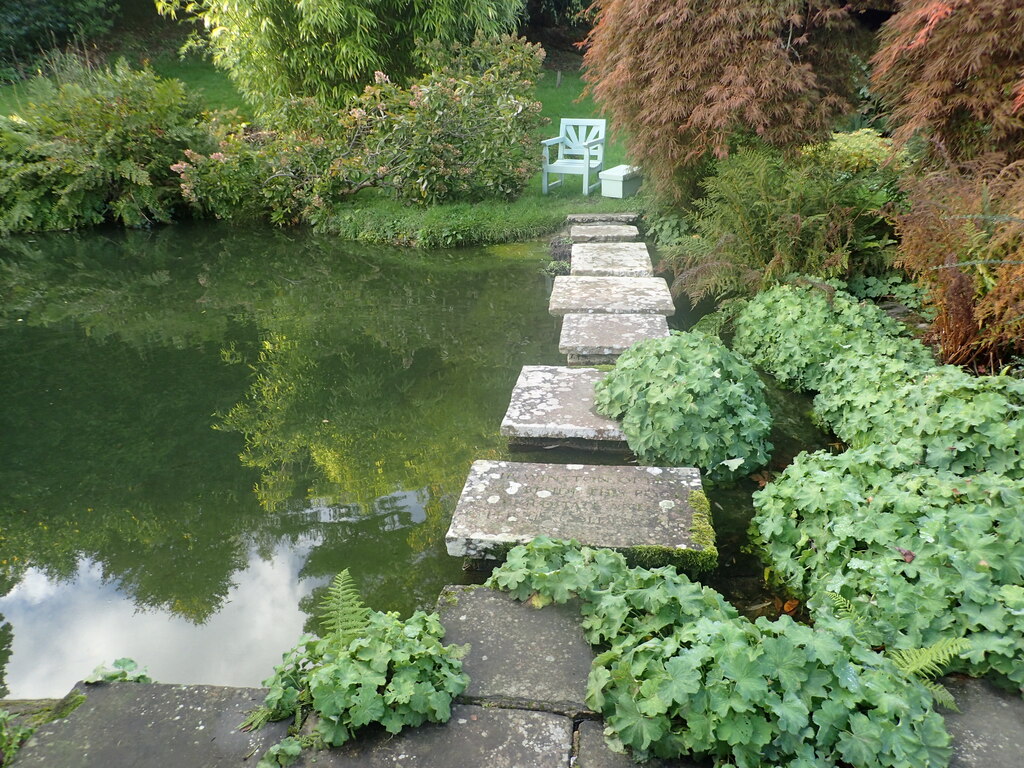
(202, 425)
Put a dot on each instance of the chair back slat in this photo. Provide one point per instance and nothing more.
(577, 132)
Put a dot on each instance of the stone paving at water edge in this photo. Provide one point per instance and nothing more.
(610, 295)
(600, 339)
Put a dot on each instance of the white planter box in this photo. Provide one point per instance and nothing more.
(620, 181)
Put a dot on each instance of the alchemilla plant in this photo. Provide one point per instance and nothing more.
(684, 674)
(686, 400)
(369, 667)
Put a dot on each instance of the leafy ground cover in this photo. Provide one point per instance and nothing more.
(681, 673)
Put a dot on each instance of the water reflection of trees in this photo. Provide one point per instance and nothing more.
(347, 379)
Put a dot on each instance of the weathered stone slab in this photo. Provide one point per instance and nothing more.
(988, 732)
(610, 295)
(600, 339)
(602, 218)
(519, 656)
(611, 260)
(554, 405)
(128, 725)
(593, 752)
(641, 511)
(604, 233)
(474, 737)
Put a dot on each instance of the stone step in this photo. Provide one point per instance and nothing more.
(610, 296)
(554, 406)
(604, 233)
(600, 339)
(602, 218)
(611, 260)
(518, 656)
(647, 513)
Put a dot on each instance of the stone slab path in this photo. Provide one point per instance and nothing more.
(554, 405)
(600, 339)
(610, 295)
(610, 260)
(604, 233)
(505, 503)
(602, 218)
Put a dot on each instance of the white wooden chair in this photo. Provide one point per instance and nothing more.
(580, 145)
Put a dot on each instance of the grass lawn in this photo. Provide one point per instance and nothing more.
(377, 218)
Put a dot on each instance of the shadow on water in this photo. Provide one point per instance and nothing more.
(201, 425)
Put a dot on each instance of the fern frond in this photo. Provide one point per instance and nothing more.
(844, 609)
(342, 610)
(943, 698)
(256, 719)
(931, 661)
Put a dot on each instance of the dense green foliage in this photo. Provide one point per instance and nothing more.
(793, 332)
(923, 554)
(12, 736)
(369, 667)
(462, 133)
(278, 50)
(30, 27)
(686, 400)
(764, 216)
(684, 674)
(95, 145)
(948, 419)
(122, 671)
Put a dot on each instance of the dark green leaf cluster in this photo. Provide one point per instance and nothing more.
(370, 667)
(684, 674)
(792, 332)
(123, 671)
(12, 736)
(765, 216)
(948, 419)
(27, 28)
(686, 400)
(923, 554)
(95, 146)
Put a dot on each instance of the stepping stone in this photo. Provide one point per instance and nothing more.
(142, 725)
(611, 260)
(554, 405)
(519, 657)
(602, 218)
(600, 339)
(988, 732)
(610, 296)
(644, 512)
(474, 737)
(604, 233)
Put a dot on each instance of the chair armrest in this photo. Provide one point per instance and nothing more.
(552, 142)
(594, 142)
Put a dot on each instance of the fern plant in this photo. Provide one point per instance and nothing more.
(923, 664)
(369, 667)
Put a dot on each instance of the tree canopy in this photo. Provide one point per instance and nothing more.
(278, 50)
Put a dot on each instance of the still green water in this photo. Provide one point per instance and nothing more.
(200, 426)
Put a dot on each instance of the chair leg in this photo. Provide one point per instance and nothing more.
(544, 182)
(586, 180)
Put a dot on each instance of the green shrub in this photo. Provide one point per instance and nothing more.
(959, 422)
(923, 554)
(369, 667)
(764, 217)
(96, 146)
(462, 133)
(12, 736)
(686, 400)
(684, 675)
(30, 27)
(792, 332)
